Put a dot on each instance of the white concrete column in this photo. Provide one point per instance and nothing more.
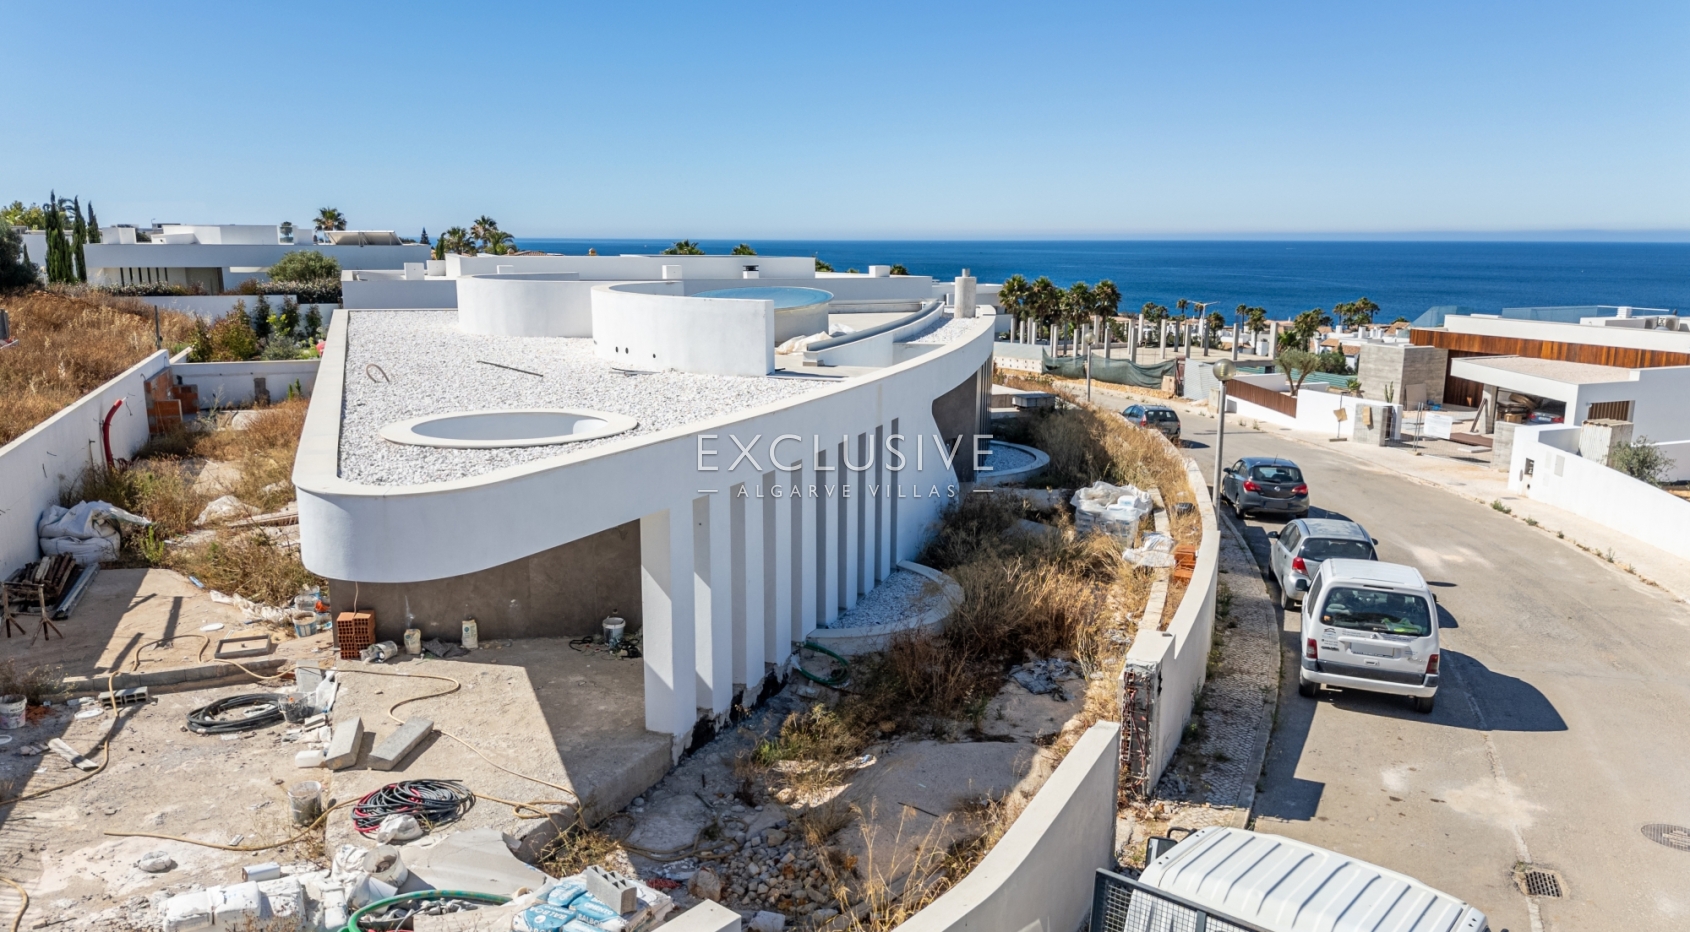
(828, 576)
(713, 601)
(667, 632)
(865, 514)
(883, 479)
(894, 479)
(778, 565)
(807, 547)
(850, 508)
(749, 663)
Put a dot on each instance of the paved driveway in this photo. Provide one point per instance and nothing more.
(1562, 728)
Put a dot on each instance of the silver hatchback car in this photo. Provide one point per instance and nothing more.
(1297, 550)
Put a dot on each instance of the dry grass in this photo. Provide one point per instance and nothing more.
(33, 683)
(578, 849)
(160, 485)
(70, 342)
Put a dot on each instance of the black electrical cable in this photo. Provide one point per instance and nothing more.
(266, 711)
(432, 802)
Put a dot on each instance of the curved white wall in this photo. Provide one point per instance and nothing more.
(553, 304)
(652, 325)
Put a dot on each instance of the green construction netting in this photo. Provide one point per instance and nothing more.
(1118, 371)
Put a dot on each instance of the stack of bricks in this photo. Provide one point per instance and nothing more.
(168, 403)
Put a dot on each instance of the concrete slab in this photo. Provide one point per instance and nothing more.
(344, 744)
(393, 749)
(124, 614)
(478, 859)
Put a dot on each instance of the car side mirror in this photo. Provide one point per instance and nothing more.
(1274, 534)
(1374, 539)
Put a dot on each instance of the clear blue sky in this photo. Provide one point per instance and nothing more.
(863, 120)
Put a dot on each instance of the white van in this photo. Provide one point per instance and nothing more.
(1370, 626)
(1237, 879)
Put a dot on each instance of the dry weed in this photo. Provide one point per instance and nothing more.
(580, 848)
(245, 563)
(70, 343)
(33, 683)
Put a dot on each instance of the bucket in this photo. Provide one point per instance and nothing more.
(304, 627)
(413, 641)
(11, 711)
(325, 621)
(295, 709)
(613, 628)
(305, 802)
(471, 641)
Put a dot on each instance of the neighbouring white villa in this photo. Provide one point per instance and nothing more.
(725, 463)
(218, 257)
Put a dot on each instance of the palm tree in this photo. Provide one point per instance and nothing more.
(329, 218)
(1044, 300)
(686, 247)
(458, 240)
(1077, 304)
(744, 249)
(499, 242)
(1108, 305)
(483, 230)
(1012, 298)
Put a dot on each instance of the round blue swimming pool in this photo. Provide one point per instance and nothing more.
(784, 298)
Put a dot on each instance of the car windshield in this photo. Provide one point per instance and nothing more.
(1375, 610)
(1325, 549)
(1276, 473)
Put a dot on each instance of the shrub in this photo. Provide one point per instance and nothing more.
(321, 291)
(149, 290)
(231, 337)
(15, 271)
(1642, 460)
(304, 265)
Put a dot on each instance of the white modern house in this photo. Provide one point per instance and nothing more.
(659, 439)
(217, 257)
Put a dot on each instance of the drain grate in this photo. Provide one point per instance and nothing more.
(1537, 882)
(1673, 836)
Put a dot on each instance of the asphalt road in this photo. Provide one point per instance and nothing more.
(1562, 726)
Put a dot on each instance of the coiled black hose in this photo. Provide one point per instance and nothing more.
(205, 721)
(433, 802)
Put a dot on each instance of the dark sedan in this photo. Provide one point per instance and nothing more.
(1265, 484)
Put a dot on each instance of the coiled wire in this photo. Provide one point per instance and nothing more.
(432, 802)
(205, 721)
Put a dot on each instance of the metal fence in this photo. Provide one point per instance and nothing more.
(1120, 904)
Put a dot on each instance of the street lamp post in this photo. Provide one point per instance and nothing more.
(1224, 372)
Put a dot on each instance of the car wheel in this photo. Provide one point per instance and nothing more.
(1285, 599)
(1423, 704)
(1307, 689)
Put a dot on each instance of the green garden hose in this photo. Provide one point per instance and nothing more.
(838, 679)
(490, 899)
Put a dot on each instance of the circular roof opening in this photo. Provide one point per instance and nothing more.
(522, 427)
(785, 298)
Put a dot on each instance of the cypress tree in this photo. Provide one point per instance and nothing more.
(423, 240)
(79, 238)
(93, 225)
(59, 264)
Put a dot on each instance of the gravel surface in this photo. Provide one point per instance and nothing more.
(1005, 457)
(902, 596)
(433, 369)
(952, 331)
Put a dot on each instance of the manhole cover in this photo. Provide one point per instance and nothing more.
(1535, 881)
(1673, 836)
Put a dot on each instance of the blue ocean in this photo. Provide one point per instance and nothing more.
(1286, 277)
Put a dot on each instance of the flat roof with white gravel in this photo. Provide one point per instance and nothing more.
(1559, 370)
(431, 367)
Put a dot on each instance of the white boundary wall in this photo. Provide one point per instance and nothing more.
(1562, 478)
(53, 454)
(229, 384)
(430, 293)
(1039, 876)
(1179, 656)
(650, 325)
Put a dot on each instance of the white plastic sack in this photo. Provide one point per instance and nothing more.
(399, 828)
(1156, 549)
(85, 520)
(223, 510)
(1111, 509)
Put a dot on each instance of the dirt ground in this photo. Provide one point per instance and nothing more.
(536, 707)
(900, 812)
